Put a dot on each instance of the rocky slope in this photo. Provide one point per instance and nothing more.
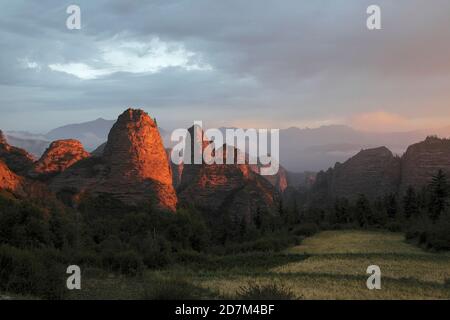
(9, 180)
(25, 188)
(423, 160)
(279, 180)
(373, 172)
(132, 168)
(219, 189)
(177, 170)
(59, 156)
(18, 160)
(376, 172)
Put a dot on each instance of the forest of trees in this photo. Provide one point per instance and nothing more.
(37, 242)
(424, 214)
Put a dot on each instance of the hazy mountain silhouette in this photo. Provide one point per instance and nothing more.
(320, 148)
(91, 134)
(32, 145)
(300, 149)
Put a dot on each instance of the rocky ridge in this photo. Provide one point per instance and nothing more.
(133, 167)
(59, 156)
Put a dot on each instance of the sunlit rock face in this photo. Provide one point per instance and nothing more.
(58, 157)
(220, 189)
(17, 160)
(279, 180)
(9, 180)
(132, 168)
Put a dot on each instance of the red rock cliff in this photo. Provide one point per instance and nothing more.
(133, 167)
(59, 156)
(226, 188)
(18, 160)
(9, 180)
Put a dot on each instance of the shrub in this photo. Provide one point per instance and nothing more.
(439, 236)
(273, 291)
(126, 262)
(431, 235)
(306, 229)
(31, 272)
(394, 226)
(271, 243)
(173, 289)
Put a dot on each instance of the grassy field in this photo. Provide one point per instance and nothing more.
(329, 265)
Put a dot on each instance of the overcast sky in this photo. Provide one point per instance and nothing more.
(249, 63)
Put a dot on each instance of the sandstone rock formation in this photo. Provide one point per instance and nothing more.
(423, 160)
(9, 180)
(18, 160)
(279, 180)
(372, 172)
(133, 167)
(98, 152)
(219, 189)
(59, 156)
(177, 170)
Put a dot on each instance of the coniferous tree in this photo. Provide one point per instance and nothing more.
(281, 209)
(258, 219)
(342, 212)
(391, 205)
(362, 210)
(439, 194)
(410, 203)
(243, 228)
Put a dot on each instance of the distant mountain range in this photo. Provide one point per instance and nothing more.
(300, 149)
(376, 172)
(91, 134)
(134, 168)
(320, 148)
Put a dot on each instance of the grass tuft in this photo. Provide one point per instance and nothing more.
(272, 291)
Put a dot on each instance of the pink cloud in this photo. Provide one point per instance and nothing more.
(382, 121)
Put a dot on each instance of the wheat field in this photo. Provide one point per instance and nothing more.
(336, 269)
(328, 265)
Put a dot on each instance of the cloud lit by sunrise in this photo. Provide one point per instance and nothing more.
(382, 121)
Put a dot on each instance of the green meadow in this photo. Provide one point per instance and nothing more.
(328, 265)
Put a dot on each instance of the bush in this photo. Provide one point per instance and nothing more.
(126, 262)
(156, 252)
(306, 229)
(447, 283)
(271, 243)
(439, 236)
(31, 272)
(273, 291)
(394, 226)
(174, 289)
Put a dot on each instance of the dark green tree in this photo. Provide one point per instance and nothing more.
(363, 211)
(391, 205)
(410, 203)
(439, 194)
(342, 210)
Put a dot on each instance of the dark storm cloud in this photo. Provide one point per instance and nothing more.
(253, 61)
